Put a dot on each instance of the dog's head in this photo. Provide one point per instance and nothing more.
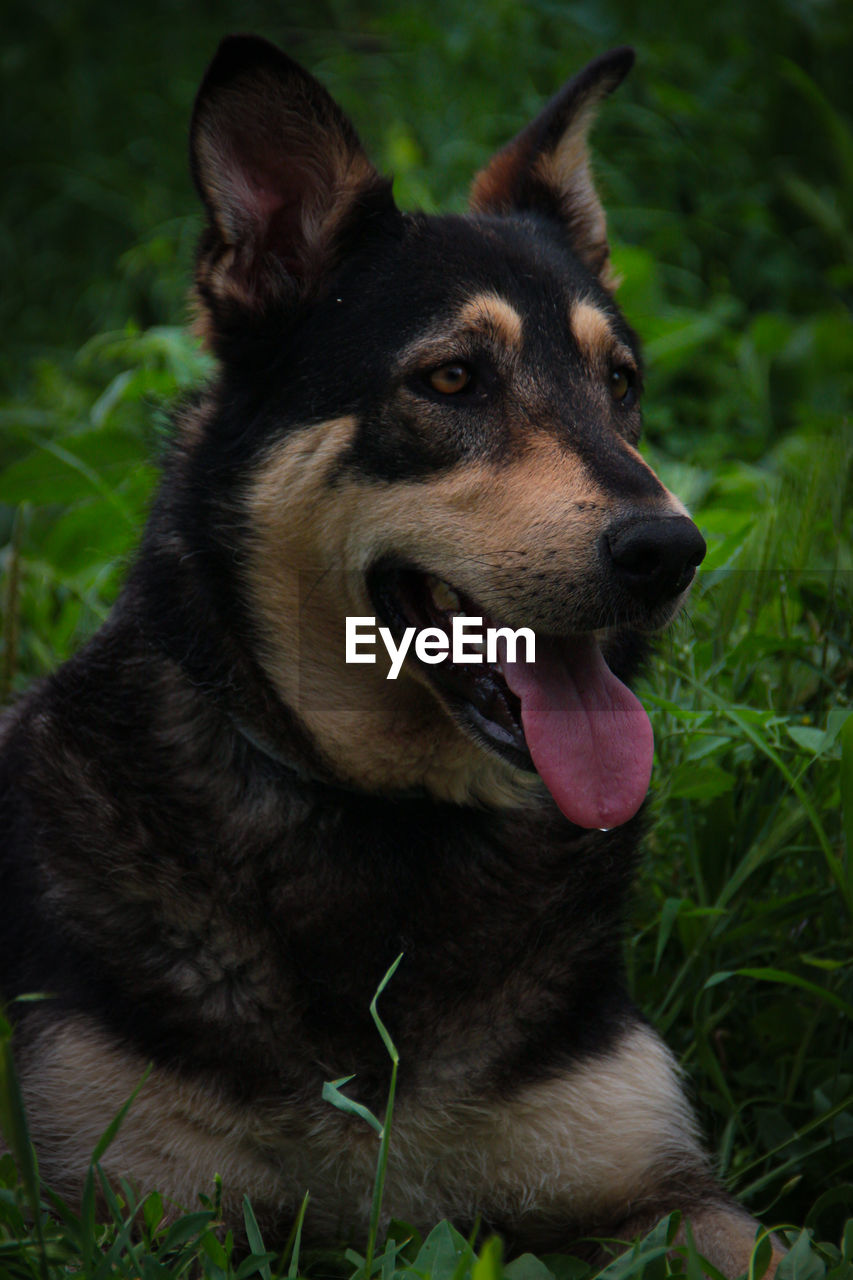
(421, 417)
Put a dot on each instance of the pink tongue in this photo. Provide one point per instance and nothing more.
(589, 737)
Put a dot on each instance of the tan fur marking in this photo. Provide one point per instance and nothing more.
(615, 1130)
(726, 1236)
(494, 316)
(598, 1136)
(486, 315)
(493, 186)
(306, 575)
(577, 1147)
(570, 158)
(178, 1134)
(593, 333)
(484, 528)
(566, 170)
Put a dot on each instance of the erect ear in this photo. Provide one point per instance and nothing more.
(282, 175)
(546, 168)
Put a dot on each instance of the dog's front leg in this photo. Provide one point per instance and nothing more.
(601, 1150)
(721, 1230)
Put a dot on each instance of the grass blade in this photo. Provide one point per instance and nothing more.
(13, 1122)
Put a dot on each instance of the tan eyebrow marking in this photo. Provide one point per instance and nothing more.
(593, 333)
(489, 314)
(485, 315)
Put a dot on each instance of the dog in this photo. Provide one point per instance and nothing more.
(218, 832)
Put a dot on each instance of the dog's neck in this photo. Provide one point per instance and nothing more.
(299, 770)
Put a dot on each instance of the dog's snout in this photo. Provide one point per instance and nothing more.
(654, 559)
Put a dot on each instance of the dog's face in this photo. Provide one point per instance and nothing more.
(433, 417)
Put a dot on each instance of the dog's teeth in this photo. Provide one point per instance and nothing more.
(443, 596)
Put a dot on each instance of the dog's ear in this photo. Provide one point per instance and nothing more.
(546, 169)
(282, 174)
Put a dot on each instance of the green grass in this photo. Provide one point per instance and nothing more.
(728, 170)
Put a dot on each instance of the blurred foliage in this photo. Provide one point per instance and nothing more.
(726, 156)
(727, 167)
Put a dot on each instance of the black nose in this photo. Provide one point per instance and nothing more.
(654, 559)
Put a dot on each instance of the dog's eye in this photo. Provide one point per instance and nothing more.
(449, 379)
(621, 384)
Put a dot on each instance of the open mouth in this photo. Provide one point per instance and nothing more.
(476, 693)
(562, 713)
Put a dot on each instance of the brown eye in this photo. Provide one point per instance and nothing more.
(449, 379)
(621, 383)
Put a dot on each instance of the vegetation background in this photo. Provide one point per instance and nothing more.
(727, 167)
